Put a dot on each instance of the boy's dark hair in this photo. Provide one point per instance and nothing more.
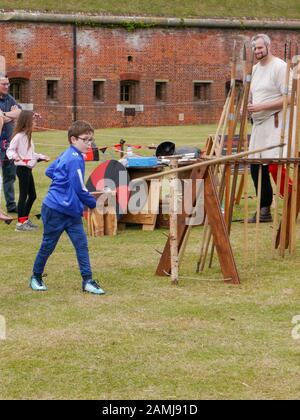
(79, 127)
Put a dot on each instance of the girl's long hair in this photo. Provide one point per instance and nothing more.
(24, 125)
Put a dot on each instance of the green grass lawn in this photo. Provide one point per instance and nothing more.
(271, 9)
(146, 339)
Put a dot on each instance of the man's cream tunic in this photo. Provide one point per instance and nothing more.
(268, 85)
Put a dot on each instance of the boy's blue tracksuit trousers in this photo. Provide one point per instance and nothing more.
(55, 224)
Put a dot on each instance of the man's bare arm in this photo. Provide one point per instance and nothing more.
(14, 112)
(268, 106)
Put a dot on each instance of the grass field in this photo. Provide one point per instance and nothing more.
(273, 9)
(146, 339)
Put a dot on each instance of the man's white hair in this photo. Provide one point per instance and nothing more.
(264, 37)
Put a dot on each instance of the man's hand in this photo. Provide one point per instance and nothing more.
(14, 113)
(256, 107)
(4, 118)
(267, 106)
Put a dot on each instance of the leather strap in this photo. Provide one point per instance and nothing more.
(276, 120)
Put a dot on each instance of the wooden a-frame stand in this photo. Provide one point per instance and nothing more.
(288, 225)
(215, 219)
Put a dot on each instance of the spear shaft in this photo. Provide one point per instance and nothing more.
(282, 232)
(243, 136)
(231, 130)
(295, 174)
(282, 137)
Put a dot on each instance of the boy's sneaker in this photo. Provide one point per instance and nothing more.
(32, 225)
(37, 284)
(24, 227)
(91, 286)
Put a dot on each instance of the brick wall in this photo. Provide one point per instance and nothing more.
(39, 52)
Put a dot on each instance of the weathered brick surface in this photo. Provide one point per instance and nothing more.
(179, 56)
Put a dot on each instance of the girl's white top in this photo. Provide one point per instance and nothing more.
(18, 149)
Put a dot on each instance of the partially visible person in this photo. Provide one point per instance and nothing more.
(21, 150)
(9, 114)
(63, 206)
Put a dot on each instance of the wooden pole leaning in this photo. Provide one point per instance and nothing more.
(173, 210)
(231, 129)
(222, 181)
(281, 241)
(243, 129)
(282, 138)
(258, 212)
(296, 168)
(246, 199)
(207, 230)
(231, 121)
(245, 179)
(216, 149)
(221, 194)
(243, 136)
(222, 121)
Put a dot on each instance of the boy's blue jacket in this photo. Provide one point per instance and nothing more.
(67, 193)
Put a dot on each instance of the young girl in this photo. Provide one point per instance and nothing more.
(1, 126)
(2, 215)
(21, 150)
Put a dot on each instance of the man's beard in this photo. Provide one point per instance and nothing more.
(261, 56)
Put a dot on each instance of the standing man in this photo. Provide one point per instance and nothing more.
(9, 113)
(266, 108)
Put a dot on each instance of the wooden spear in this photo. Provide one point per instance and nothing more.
(207, 239)
(295, 174)
(285, 50)
(207, 229)
(221, 194)
(223, 118)
(258, 211)
(243, 139)
(285, 223)
(217, 148)
(245, 174)
(222, 182)
(246, 210)
(231, 128)
(245, 66)
(282, 137)
(173, 211)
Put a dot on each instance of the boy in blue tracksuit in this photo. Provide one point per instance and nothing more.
(63, 206)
